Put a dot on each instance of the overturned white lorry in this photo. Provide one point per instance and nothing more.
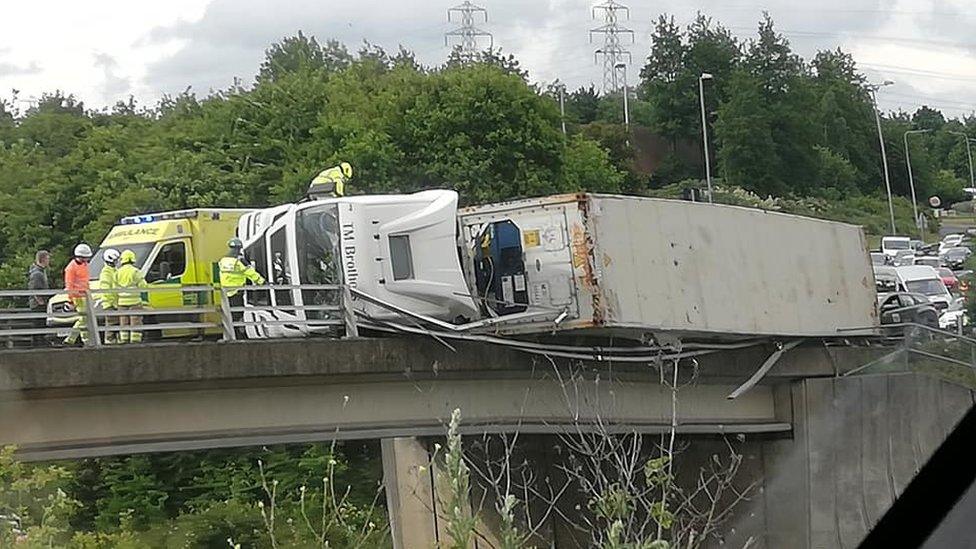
(579, 264)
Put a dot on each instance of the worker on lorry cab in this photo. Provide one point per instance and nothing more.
(331, 183)
(76, 284)
(110, 300)
(129, 281)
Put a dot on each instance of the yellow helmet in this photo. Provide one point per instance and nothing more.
(346, 169)
(128, 256)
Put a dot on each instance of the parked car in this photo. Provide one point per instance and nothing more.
(903, 257)
(952, 241)
(948, 278)
(891, 245)
(886, 280)
(955, 258)
(907, 308)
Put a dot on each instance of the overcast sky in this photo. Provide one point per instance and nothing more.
(106, 50)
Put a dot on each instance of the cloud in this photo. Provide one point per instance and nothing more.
(114, 86)
(161, 48)
(11, 69)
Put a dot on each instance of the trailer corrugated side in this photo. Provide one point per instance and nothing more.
(632, 266)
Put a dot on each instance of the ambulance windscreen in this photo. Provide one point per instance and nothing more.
(98, 261)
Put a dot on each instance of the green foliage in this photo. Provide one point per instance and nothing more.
(835, 171)
(35, 511)
(460, 520)
(322, 497)
(135, 494)
(296, 54)
(669, 79)
(948, 187)
(587, 166)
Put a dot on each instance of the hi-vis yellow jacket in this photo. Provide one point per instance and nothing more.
(234, 273)
(128, 277)
(331, 181)
(107, 281)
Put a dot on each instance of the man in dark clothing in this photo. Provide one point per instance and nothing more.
(37, 280)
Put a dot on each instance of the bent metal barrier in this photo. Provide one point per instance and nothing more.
(205, 309)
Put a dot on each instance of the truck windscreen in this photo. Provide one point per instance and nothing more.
(317, 243)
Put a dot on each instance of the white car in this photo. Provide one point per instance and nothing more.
(953, 239)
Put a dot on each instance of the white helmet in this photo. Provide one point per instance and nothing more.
(111, 255)
(83, 250)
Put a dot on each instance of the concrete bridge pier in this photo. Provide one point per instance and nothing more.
(417, 494)
(409, 493)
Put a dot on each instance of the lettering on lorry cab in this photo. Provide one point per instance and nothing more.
(349, 255)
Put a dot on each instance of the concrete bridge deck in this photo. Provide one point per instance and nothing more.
(75, 403)
(830, 456)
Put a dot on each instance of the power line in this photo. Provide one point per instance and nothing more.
(962, 104)
(467, 33)
(612, 51)
(887, 39)
(918, 72)
(862, 11)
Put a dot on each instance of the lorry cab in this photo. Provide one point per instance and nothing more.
(397, 248)
(173, 249)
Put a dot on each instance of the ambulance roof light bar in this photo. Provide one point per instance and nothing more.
(150, 218)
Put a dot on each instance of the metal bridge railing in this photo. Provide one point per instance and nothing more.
(195, 311)
(950, 356)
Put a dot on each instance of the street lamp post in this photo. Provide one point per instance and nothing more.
(911, 183)
(701, 96)
(969, 154)
(884, 158)
(562, 106)
(623, 70)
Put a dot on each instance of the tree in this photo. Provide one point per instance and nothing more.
(492, 56)
(302, 53)
(766, 141)
(582, 105)
(927, 118)
(845, 113)
(748, 155)
(667, 84)
(588, 167)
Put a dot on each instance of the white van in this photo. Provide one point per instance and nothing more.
(891, 245)
(925, 280)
